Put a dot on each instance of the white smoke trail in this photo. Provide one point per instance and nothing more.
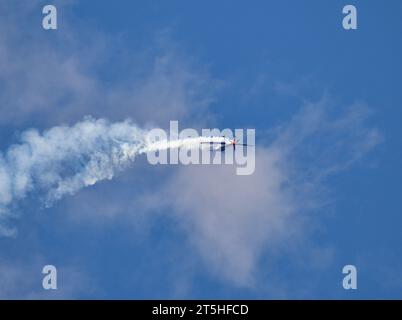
(188, 143)
(64, 159)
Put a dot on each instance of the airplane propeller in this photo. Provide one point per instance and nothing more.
(235, 142)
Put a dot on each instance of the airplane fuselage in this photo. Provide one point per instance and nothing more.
(217, 143)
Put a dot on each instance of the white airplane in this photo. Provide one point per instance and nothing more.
(221, 143)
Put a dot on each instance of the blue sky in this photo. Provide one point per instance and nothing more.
(325, 103)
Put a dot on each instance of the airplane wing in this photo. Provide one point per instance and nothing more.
(212, 142)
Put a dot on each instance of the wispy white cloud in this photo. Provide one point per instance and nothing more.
(233, 221)
(48, 78)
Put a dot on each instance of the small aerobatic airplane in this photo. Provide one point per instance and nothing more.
(220, 143)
